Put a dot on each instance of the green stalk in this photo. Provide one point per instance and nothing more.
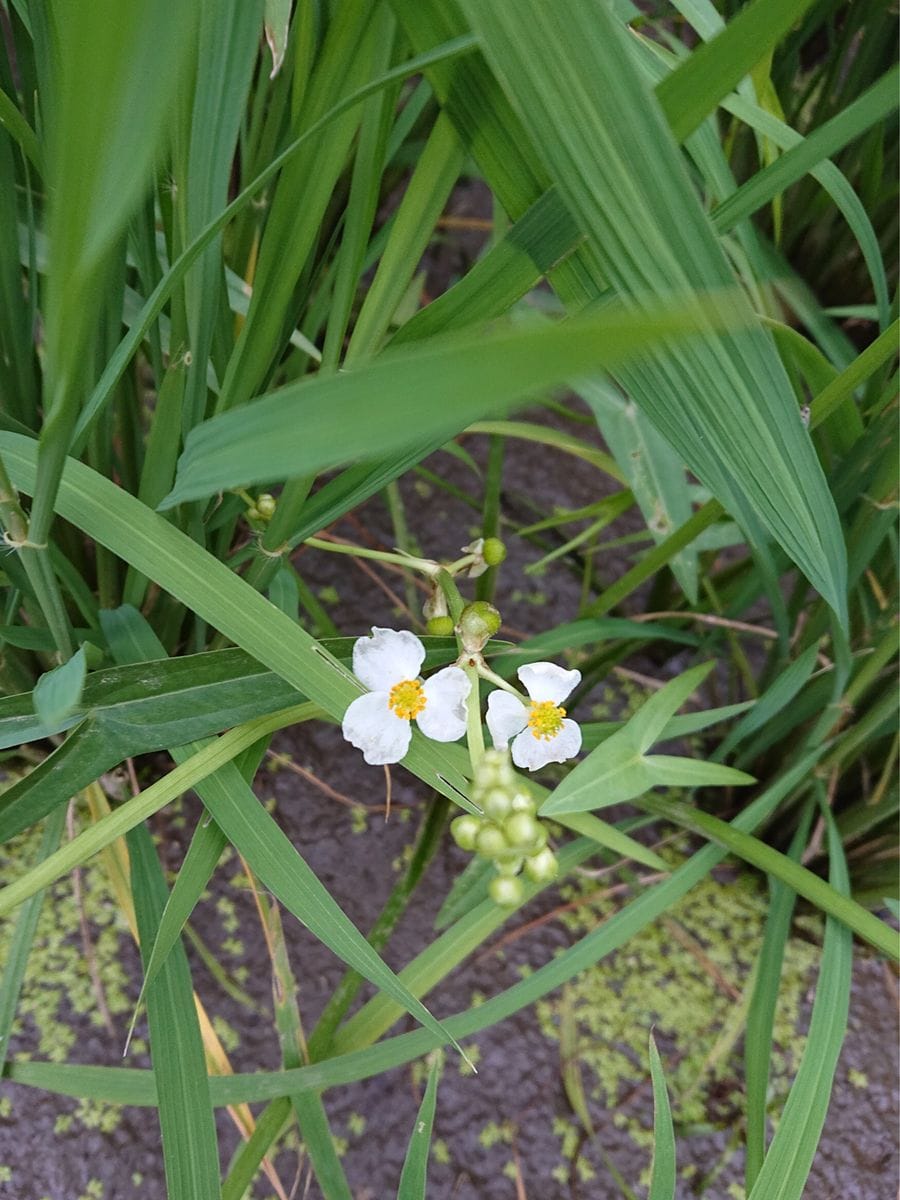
(35, 560)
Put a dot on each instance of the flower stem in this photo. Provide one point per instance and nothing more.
(492, 677)
(404, 560)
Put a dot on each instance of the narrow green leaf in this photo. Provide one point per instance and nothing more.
(775, 698)
(647, 724)
(694, 90)
(57, 693)
(667, 770)
(269, 1127)
(663, 1176)
(190, 1149)
(415, 1166)
(786, 1167)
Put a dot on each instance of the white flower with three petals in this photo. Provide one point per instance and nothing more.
(379, 723)
(540, 731)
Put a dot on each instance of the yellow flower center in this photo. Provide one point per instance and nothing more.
(407, 699)
(545, 719)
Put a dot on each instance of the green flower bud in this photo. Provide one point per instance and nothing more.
(521, 830)
(490, 842)
(509, 866)
(265, 505)
(542, 867)
(478, 623)
(505, 890)
(497, 804)
(464, 830)
(522, 802)
(494, 551)
(439, 626)
(253, 513)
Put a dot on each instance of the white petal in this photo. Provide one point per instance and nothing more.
(444, 716)
(506, 716)
(371, 726)
(531, 752)
(547, 681)
(387, 657)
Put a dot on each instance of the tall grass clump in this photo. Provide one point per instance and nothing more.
(214, 345)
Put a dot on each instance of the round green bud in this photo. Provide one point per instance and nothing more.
(265, 505)
(542, 867)
(479, 622)
(490, 842)
(497, 804)
(521, 830)
(253, 514)
(509, 866)
(439, 626)
(464, 831)
(522, 802)
(505, 890)
(494, 552)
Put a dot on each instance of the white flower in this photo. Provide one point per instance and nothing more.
(540, 731)
(379, 723)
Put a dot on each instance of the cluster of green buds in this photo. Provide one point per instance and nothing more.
(509, 833)
(262, 508)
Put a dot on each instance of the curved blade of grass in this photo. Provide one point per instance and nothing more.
(269, 1126)
(413, 1179)
(190, 1148)
(786, 1167)
(663, 1171)
(804, 882)
(123, 1086)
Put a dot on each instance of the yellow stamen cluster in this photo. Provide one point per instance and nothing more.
(545, 719)
(407, 699)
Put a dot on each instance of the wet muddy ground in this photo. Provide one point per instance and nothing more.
(510, 1131)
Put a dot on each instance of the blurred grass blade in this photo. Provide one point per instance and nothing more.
(693, 91)
(663, 1176)
(190, 1149)
(413, 1180)
(434, 389)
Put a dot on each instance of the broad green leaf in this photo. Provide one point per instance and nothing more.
(415, 1165)
(190, 1148)
(58, 693)
(663, 1172)
(433, 389)
(647, 724)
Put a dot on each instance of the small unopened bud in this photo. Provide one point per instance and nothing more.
(439, 626)
(253, 513)
(265, 505)
(542, 867)
(494, 551)
(505, 890)
(477, 625)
